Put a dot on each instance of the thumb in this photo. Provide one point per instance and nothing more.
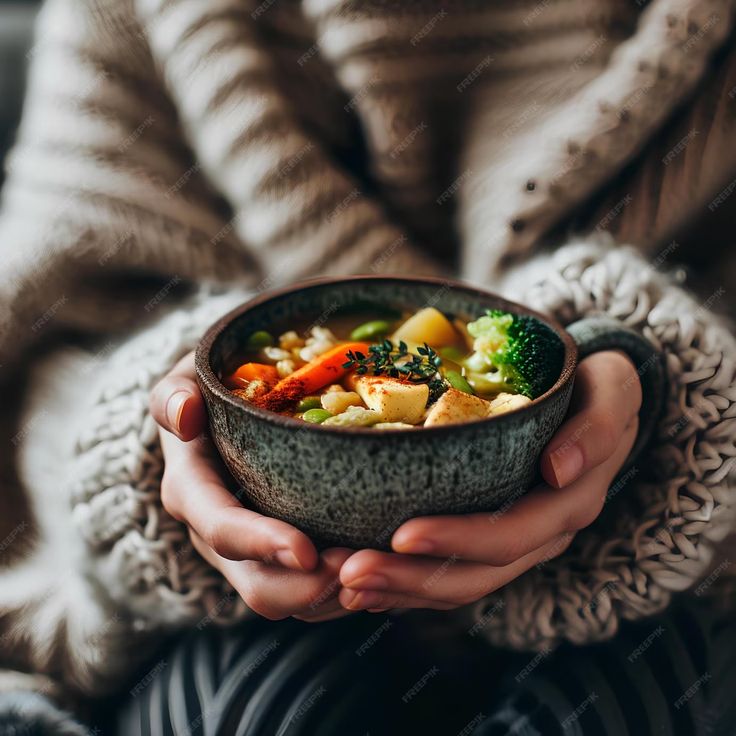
(176, 402)
(606, 400)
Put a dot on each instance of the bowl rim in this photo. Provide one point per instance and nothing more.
(207, 376)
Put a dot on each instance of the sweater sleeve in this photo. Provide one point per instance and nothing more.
(143, 555)
(587, 136)
(269, 133)
(662, 516)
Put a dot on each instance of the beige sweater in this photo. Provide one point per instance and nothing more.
(177, 156)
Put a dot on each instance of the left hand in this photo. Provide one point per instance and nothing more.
(443, 562)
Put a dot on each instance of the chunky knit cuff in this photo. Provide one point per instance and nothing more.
(141, 554)
(663, 515)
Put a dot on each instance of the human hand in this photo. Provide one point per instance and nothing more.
(443, 562)
(273, 566)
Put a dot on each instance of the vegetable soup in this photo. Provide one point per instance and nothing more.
(388, 369)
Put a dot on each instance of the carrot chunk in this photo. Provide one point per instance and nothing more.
(252, 372)
(319, 372)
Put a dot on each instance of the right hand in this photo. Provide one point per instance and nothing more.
(273, 566)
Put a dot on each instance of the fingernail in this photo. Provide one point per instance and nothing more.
(287, 558)
(349, 597)
(414, 546)
(365, 599)
(370, 582)
(174, 408)
(567, 464)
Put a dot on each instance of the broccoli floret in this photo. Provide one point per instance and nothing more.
(514, 353)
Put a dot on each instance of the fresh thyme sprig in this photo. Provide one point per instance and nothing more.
(386, 359)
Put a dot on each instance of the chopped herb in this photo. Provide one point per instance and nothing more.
(395, 361)
(437, 386)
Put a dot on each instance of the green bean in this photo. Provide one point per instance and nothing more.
(458, 381)
(316, 416)
(451, 353)
(371, 330)
(309, 402)
(260, 339)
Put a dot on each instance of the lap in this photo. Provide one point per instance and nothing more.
(382, 674)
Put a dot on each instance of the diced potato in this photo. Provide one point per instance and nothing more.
(337, 401)
(427, 325)
(353, 416)
(456, 406)
(508, 402)
(393, 400)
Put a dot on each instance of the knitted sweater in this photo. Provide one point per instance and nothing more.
(176, 157)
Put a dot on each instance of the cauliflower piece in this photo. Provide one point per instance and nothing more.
(314, 349)
(285, 367)
(353, 416)
(323, 333)
(276, 354)
(252, 390)
(337, 402)
(320, 341)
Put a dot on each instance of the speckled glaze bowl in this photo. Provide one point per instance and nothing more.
(355, 486)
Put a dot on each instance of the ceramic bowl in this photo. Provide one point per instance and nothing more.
(354, 486)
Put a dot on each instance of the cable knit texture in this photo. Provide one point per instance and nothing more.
(664, 513)
(176, 157)
(145, 555)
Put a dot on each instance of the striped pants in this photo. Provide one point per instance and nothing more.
(378, 674)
